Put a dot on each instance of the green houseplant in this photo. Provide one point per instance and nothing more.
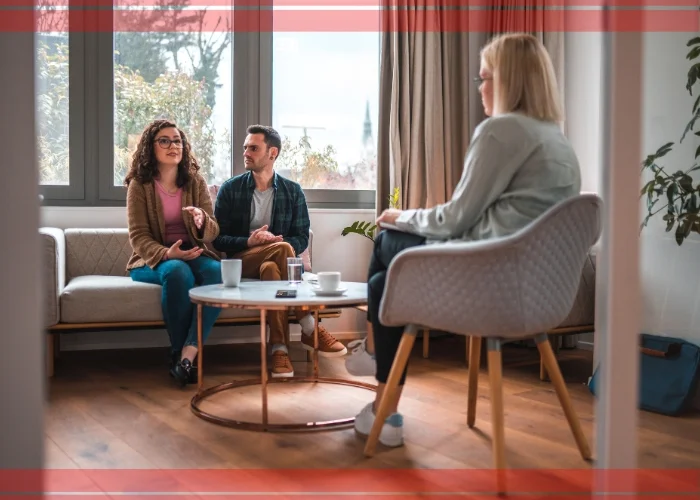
(368, 228)
(676, 190)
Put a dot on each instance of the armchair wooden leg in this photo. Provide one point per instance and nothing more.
(426, 342)
(550, 362)
(392, 384)
(474, 344)
(543, 371)
(497, 420)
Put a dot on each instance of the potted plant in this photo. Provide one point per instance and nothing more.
(676, 190)
(368, 228)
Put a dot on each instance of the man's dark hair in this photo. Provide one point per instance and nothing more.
(272, 137)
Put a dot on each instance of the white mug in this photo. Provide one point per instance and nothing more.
(231, 270)
(328, 281)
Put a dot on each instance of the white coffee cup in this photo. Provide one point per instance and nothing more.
(231, 270)
(328, 281)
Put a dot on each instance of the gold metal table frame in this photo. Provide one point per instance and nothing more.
(264, 380)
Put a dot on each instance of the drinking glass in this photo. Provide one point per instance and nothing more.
(294, 269)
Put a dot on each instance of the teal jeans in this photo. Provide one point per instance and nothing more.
(178, 277)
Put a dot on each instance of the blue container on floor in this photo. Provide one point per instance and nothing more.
(668, 374)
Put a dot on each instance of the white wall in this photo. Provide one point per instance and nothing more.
(670, 287)
(670, 283)
(331, 252)
(582, 93)
(583, 52)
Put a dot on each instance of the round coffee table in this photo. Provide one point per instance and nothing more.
(260, 295)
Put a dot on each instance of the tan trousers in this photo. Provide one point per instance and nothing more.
(269, 263)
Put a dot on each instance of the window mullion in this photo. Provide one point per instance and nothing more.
(104, 104)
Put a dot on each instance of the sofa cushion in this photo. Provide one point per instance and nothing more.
(583, 311)
(103, 299)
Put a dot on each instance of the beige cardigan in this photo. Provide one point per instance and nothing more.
(147, 224)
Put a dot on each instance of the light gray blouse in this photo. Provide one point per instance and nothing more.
(516, 168)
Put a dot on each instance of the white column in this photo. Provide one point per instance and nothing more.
(618, 291)
(22, 369)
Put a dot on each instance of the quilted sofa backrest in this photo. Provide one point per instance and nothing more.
(103, 252)
(106, 251)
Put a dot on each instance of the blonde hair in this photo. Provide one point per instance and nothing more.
(523, 77)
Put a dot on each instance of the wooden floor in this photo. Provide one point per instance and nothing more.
(119, 409)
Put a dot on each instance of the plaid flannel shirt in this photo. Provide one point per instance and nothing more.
(290, 215)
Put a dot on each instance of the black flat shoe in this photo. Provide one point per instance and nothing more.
(183, 372)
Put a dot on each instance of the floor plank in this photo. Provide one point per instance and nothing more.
(119, 409)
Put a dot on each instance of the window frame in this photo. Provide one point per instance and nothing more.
(75, 190)
(91, 112)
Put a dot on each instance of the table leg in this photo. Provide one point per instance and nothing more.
(316, 344)
(263, 363)
(200, 346)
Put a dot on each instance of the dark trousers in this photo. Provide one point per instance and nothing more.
(387, 245)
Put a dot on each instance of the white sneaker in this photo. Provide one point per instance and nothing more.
(360, 363)
(392, 430)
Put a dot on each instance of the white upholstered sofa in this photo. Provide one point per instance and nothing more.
(87, 288)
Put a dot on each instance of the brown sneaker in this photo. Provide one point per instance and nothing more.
(281, 365)
(328, 346)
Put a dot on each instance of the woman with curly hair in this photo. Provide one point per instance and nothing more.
(170, 223)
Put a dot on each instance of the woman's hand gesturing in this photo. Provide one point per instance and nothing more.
(174, 252)
(197, 214)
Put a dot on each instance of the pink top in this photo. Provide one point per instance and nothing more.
(172, 213)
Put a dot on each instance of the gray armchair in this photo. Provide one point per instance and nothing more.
(503, 289)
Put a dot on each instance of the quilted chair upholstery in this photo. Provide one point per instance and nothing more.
(502, 289)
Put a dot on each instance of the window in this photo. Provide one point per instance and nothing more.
(52, 108)
(54, 92)
(184, 76)
(324, 104)
(99, 87)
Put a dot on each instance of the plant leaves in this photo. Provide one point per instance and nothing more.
(686, 182)
(670, 195)
(697, 104)
(693, 74)
(648, 187)
(694, 52)
(680, 233)
(693, 41)
(691, 124)
(365, 229)
(663, 150)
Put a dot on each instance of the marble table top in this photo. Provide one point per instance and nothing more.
(262, 293)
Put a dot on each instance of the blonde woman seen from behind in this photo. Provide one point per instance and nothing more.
(519, 164)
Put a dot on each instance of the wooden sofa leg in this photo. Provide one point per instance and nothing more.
(426, 343)
(50, 352)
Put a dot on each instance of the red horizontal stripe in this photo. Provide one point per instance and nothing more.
(344, 21)
(659, 482)
(474, 4)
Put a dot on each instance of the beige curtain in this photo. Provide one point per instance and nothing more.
(428, 105)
